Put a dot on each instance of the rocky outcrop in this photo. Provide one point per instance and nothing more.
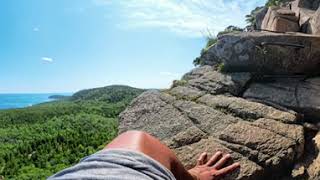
(256, 96)
(295, 93)
(308, 13)
(309, 165)
(314, 27)
(304, 20)
(207, 112)
(280, 20)
(314, 167)
(305, 4)
(266, 52)
(292, 16)
(207, 79)
(262, 120)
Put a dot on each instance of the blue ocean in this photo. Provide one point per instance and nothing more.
(11, 101)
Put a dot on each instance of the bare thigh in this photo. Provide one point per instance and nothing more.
(145, 143)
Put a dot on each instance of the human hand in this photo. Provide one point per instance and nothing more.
(213, 168)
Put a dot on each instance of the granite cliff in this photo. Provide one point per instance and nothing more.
(256, 96)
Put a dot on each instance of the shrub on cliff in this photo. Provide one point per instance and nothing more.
(276, 2)
(212, 40)
(230, 29)
(251, 18)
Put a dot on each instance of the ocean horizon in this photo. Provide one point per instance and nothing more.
(22, 100)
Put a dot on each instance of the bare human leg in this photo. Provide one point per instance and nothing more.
(152, 147)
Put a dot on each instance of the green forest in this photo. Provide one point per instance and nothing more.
(38, 141)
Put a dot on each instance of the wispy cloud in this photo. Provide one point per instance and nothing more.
(186, 17)
(47, 59)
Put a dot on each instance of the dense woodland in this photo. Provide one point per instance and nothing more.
(37, 141)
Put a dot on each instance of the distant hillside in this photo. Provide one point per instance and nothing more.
(37, 141)
(110, 94)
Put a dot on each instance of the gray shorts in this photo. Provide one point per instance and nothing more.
(116, 164)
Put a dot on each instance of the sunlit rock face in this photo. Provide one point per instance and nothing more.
(309, 13)
(208, 113)
(280, 20)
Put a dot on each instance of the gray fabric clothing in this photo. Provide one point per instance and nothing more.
(116, 164)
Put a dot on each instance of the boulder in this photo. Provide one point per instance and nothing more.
(280, 20)
(304, 20)
(294, 93)
(308, 12)
(207, 79)
(305, 4)
(309, 166)
(314, 27)
(266, 53)
(314, 168)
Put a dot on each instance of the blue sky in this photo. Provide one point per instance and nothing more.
(68, 45)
